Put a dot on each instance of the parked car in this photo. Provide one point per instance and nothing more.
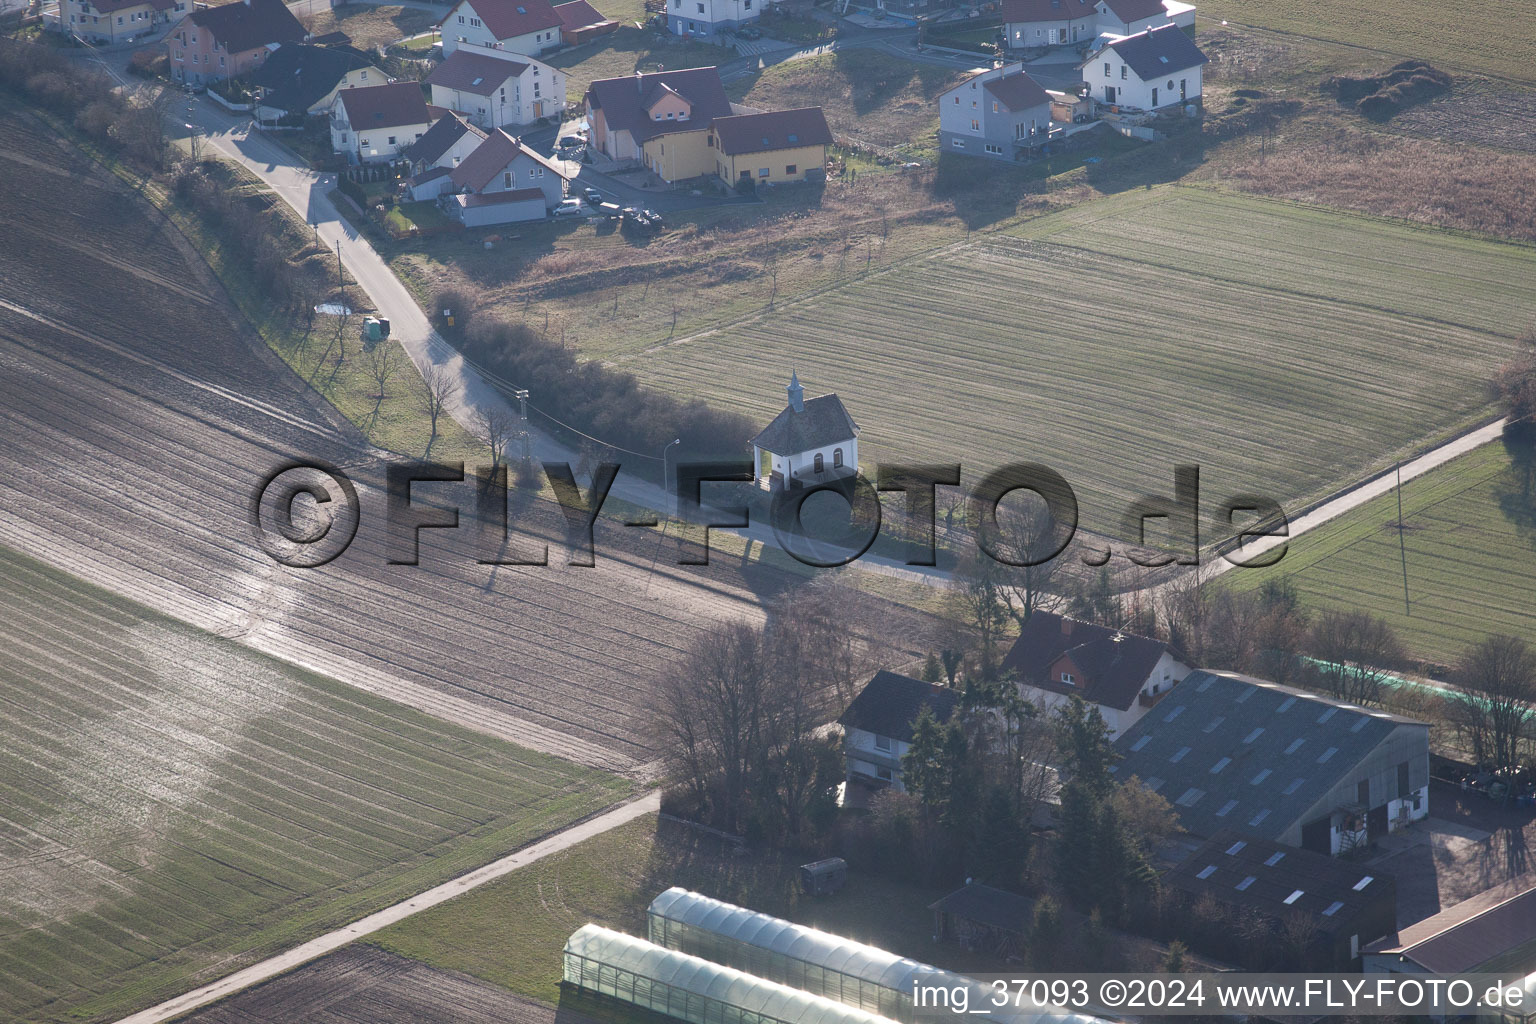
(593, 196)
(653, 217)
(572, 142)
(568, 208)
(750, 32)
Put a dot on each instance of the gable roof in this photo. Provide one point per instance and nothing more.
(1471, 934)
(376, 107)
(1114, 664)
(1018, 92)
(474, 72)
(239, 27)
(507, 19)
(773, 129)
(821, 421)
(577, 14)
(113, 6)
(1046, 10)
(988, 905)
(491, 158)
(1283, 880)
(623, 101)
(1135, 10)
(1159, 51)
(296, 76)
(440, 138)
(1230, 751)
(890, 703)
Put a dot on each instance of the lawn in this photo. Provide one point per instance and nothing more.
(1439, 33)
(511, 932)
(367, 27)
(175, 806)
(628, 50)
(1285, 349)
(1470, 540)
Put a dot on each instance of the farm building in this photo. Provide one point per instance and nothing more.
(1318, 912)
(521, 26)
(378, 123)
(811, 442)
(689, 989)
(1494, 932)
(1124, 675)
(1001, 113)
(580, 21)
(660, 119)
(1128, 17)
(1150, 70)
(772, 147)
(214, 43)
(497, 89)
(299, 78)
(1229, 751)
(878, 724)
(872, 979)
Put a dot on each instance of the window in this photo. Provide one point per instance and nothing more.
(506, 180)
(391, 140)
(1066, 677)
(884, 774)
(474, 22)
(1106, 63)
(882, 742)
(701, 8)
(994, 106)
(837, 453)
(363, 77)
(994, 149)
(762, 172)
(1125, 71)
(958, 143)
(957, 101)
(221, 61)
(975, 126)
(119, 19)
(1170, 85)
(1402, 781)
(461, 19)
(819, 463)
(1363, 792)
(363, 142)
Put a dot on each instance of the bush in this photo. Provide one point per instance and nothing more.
(353, 191)
(1379, 97)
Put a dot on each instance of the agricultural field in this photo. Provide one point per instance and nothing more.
(175, 806)
(366, 26)
(1470, 541)
(1312, 349)
(1439, 33)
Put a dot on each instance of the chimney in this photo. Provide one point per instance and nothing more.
(796, 393)
(1066, 626)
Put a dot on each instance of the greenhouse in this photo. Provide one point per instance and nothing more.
(664, 980)
(805, 958)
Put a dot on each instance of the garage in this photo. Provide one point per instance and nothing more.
(483, 209)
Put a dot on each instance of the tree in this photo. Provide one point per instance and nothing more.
(1082, 741)
(1497, 698)
(1515, 383)
(1149, 819)
(498, 426)
(1096, 601)
(1173, 960)
(1355, 654)
(982, 604)
(440, 386)
(933, 672)
(951, 659)
(1027, 533)
(380, 362)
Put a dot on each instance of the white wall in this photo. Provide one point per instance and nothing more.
(537, 92)
(378, 148)
(802, 466)
(1130, 90)
(859, 740)
(458, 33)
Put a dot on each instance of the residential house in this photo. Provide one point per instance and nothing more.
(1128, 17)
(710, 17)
(659, 119)
(771, 148)
(980, 916)
(1494, 932)
(528, 27)
(433, 157)
(300, 79)
(878, 726)
(117, 21)
(1319, 912)
(1229, 751)
(504, 181)
(580, 21)
(1000, 113)
(1153, 69)
(812, 441)
(214, 43)
(497, 88)
(1124, 675)
(1030, 24)
(377, 123)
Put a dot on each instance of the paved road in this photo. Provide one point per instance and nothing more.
(332, 941)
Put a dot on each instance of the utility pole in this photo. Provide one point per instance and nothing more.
(1402, 543)
(341, 280)
(521, 394)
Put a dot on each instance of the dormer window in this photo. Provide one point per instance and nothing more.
(1066, 677)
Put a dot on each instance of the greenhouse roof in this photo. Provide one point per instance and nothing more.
(725, 984)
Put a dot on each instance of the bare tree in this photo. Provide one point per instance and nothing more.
(1497, 681)
(1027, 532)
(380, 363)
(440, 386)
(498, 426)
(981, 602)
(1515, 383)
(1355, 654)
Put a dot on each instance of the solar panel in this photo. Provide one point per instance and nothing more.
(1360, 723)
(1327, 715)
(1141, 742)
(1259, 817)
(1215, 724)
(1153, 783)
(1294, 786)
(1322, 758)
(1285, 705)
(1175, 713)
(1245, 883)
(1333, 908)
(1178, 755)
(1205, 684)
(1274, 858)
(1254, 735)
(1367, 880)
(1263, 774)
(1237, 848)
(1295, 746)
(1293, 897)
(1219, 765)
(1226, 808)
(1248, 691)
(1190, 797)
(1206, 872)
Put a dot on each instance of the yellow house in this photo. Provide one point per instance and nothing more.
(772, 147)
(678, 156)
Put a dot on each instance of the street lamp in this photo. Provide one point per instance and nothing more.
(664, 480)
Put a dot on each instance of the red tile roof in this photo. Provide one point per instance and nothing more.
(469, 70)
(1018, 92)
(113, 6)
(1112, 664)
(385, 106)
(623, 101)
(1135, 10)
(507, 19)
(774, 129)
(1046, 10)
(491, 158)
(239, 27)
(577, 14)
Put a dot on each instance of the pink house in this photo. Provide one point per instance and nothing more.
(214, 43)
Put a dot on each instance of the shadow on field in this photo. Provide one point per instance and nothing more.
(1517, 487)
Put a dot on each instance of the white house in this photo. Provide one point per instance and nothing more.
(497, 88)
(1153, 69)
(378, 123)
(812, 441)
(710, 17)
(1056, 658)
(1128, 17)
(504, 181)
(1028, 24)
(434, 156)
(528, 27)
(877, 727)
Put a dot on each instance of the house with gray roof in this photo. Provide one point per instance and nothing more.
(497, 88)
(878, 725)
(1231, 751)
(1494, 932)
(812, 441)
(1000, 113)
(1153, 69)
(300, 78)
(1128, 17)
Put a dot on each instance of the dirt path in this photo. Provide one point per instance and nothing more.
(333, 941)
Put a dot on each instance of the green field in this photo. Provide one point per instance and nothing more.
(173, 806)
(1497, 40)
(1286, 349)
(1470, 537)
